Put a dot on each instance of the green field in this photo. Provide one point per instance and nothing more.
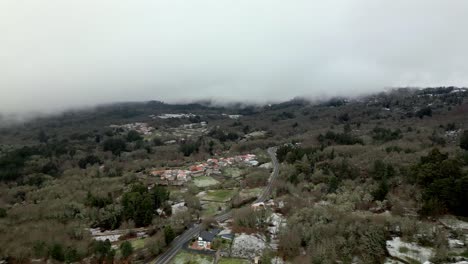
(232, 172)
(233, 261)
(185, 256)
(138, 243)
(211, 208)
(221, 195)
(254, 192)
(204, 181)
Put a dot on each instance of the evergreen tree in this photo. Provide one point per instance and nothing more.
(464, 140)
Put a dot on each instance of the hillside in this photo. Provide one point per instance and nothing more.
(355, 175)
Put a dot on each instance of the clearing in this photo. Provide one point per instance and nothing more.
(221, 195)
(233, 261)
(205, 181)
(183, 257)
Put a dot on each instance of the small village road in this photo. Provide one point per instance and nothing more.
(179, 242)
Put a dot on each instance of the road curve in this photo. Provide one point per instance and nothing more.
(179, 242)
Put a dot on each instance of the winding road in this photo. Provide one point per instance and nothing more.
(179, 242)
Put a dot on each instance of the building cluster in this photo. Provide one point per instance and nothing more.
(167, 116)
(210, 167)
(142, 128)
(194, 125)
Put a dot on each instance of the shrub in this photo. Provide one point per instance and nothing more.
(383, 134)
(126, 249)
(90, 159)
(56, 252)
(169, 234)
(339, 138)
(133, 136)
(426, 111)
(115, 145)
(444, 184)
(3, 213)
(189, 147)
(464, 140)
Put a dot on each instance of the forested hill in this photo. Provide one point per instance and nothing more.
(383, 165)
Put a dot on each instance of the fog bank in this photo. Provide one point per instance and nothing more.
(56, 55)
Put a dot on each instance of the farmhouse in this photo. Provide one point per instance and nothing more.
(205, 239)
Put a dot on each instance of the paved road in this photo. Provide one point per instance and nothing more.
(179, 242)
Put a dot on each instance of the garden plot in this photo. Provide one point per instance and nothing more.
(184, 257)
(232, 172)
(250, 193)
(221, 195)
(233, 261)
(205, 181)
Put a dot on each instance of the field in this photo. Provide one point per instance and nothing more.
(220, 195)
(247, 193)
(184, 256)
(233, 261)
(232, 172)
(205, 181)
(138, 243)
(212, 208)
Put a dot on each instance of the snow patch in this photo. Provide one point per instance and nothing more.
(403, 250)
(248, 246)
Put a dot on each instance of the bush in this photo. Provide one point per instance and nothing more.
(56, 252)
(103, 251)
(3, 213)
(133, 136)
(339, 138)
(444, 184)
(126, 249)
(71, 255)
(464, 140)
(157, 142)
(385, 135)
(426, 111)
(189, 147)
(115, 145)
(169, 234)
(90, 159)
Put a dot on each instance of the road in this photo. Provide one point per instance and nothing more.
(179, 242)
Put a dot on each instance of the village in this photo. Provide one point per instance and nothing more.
(210, 167)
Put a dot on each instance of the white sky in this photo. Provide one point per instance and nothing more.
(57, 54)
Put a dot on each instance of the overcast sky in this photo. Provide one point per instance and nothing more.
(57, 54)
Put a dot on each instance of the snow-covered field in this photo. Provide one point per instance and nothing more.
(454, 223)
(247, 246)
(405, 250)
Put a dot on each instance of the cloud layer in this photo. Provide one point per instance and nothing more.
(58, 54)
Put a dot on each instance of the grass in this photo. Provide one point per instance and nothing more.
(204, 181)
(232, 172)
(233, 261)
(211, 208)
(403, 250)
(220, 195)
(185, 256)
(138, 243)
(254, 192)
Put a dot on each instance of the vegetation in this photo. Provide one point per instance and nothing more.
(139, 204)
(126, 249)
(344, 163)
(464, 140)
(444, 184)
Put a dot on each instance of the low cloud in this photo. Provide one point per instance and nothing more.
(56, 55)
